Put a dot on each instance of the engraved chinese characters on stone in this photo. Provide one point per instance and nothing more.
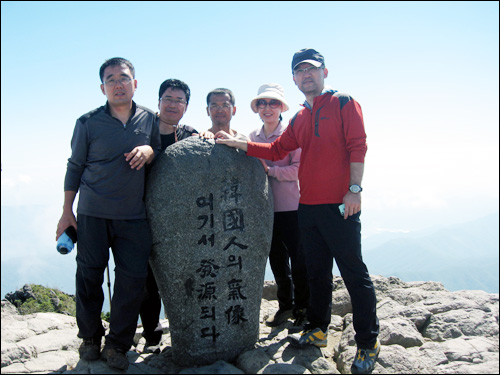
(211, 215)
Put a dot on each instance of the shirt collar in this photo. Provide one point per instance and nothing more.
(134, 108)
(276, 132)
(326, 89)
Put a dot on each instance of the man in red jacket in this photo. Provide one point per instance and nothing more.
(330, 131)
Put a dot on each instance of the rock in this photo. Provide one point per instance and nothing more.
(46, 342)
(20, 296)
(431, 353)
(283, 368)
(219, 367)
(30, 342)
(253, 361)
(388, 309)
(8, 308)
(270, 290)
(468, 349)
(211, 212)
(400, 331)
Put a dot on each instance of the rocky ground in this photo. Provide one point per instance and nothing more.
(424, 329)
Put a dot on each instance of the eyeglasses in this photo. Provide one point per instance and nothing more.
(124, 81)
(171, 101)
(273, 103)
(312, 69)
(225, 106)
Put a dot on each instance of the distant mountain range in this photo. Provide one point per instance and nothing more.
(461, 256)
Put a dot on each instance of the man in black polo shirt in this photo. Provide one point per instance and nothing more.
(173, 101)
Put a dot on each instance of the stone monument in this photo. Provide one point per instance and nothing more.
(211, 214)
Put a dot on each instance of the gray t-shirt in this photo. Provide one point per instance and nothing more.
(109, 187)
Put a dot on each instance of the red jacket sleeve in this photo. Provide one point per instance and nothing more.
(277, 150)
(354, 131)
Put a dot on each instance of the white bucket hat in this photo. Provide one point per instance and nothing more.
(270, 91)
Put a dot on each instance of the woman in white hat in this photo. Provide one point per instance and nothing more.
(285, 257)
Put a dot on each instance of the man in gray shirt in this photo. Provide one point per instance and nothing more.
(110, 147)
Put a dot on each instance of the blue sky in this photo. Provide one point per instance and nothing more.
(425, 74)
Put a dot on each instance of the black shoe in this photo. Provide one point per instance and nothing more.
(90, 349)
(152, 347)
(115, 357)
(300, 316)
(281, 316)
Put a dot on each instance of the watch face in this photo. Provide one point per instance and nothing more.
(355, 188)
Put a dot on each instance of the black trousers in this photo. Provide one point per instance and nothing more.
(327, 236)
(130, 241)
(150, 309)
(287, 262)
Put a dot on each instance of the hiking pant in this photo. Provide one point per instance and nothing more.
(130, 241)
(287, 262)
(326, 236)
(150, 309)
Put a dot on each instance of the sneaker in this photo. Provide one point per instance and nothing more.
(314, 336)
(90, 349)
(281, 316)
(365, 359)
(151, 347)
(115, 357)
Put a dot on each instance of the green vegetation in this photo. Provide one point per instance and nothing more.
(49, 300)
(105, 316)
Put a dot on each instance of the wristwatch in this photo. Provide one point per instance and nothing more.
(355, 189)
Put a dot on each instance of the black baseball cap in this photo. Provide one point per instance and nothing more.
(308, 55)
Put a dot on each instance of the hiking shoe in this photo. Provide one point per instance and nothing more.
(281, 316)
(151, 347)
(314, 336)
(365, 359)
(115, 357)
(90, 349)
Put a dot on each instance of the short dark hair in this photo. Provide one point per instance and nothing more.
(175, 84)
(116, 61)
(221, 91)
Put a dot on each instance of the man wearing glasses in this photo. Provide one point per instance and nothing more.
(110, 147)
(330, 131)
(173, 101)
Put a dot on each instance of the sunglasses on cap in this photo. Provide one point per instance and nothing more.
(273, 103)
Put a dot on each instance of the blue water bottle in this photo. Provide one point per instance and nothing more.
(67, 241)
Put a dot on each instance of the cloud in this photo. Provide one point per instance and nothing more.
(16, 181)
(24, 179)
(388, 230)
(405, 198)
(34, 187)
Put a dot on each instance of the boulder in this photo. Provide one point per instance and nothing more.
(211, 214)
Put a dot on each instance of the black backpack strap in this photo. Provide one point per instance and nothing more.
(343, 99)
(292, 121)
